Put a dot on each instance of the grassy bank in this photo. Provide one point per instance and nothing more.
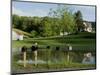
(80, 41)
(18, 68)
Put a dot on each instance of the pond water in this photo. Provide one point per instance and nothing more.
(52, 56)
(88, 59)
(32, 61)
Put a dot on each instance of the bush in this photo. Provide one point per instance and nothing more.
(34, 33)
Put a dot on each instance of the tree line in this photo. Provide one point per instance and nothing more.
(59, 20)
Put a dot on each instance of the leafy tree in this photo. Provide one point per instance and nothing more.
(34, 33)
(59, 20)
(47, 29)
(24, 23)
(79, 21)
(17, 21)
(65, 22)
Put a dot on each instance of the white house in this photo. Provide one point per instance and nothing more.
(16, 35)
(64, 33)
(88, 26)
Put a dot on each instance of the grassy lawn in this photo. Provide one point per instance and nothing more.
(81, 40)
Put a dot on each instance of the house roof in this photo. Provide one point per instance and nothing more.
(87, 24)
(20, 32)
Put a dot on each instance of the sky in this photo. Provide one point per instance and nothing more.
(42, 9)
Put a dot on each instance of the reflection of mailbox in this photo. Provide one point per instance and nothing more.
(48, 47)
(24, 49)
(34, 48)
(70, 48)
(57, 48)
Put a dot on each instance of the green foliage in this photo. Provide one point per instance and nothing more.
(47, 29)
(59, 20)
(79, 21)
(65, 21)
(34, 33)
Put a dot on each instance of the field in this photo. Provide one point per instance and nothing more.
(82, 39)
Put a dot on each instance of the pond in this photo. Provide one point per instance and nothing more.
(55, 56)
(48, 58)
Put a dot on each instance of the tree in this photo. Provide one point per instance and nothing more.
(24, 23)
(27, 24)
(15, 21)
(34, 33)
(79, 21)
(65, 22)
(46, 26)
(59, 20)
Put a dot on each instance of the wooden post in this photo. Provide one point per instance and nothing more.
(68, 57)
(68, 54)
(49, 54)
(34, 49)
(24, 58)
(24, 49)
(35, 57)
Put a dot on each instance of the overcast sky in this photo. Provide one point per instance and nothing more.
(42, 9)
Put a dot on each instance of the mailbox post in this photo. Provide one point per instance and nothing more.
(57, 48)
(56, 53)
(34, 49)
(24, 49)
(49, 54)
(68, 54)
(48, 47)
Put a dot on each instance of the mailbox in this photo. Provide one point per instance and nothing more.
(57, 48)
(24, 49)
(34, 48)
(48, 47)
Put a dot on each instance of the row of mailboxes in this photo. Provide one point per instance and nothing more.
(34, 48)
(57, 48)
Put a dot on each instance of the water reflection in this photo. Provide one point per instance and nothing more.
(32, 61)
(54, 56)
(88, 59)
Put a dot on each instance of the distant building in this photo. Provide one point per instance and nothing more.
(65, 33)
(88, 26)
(17, 36)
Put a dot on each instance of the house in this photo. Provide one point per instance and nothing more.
(64, 33)
(88, 26)
(17, 35)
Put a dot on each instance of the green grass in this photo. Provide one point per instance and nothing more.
(80, 41)
(29, 42)
(50, 67)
